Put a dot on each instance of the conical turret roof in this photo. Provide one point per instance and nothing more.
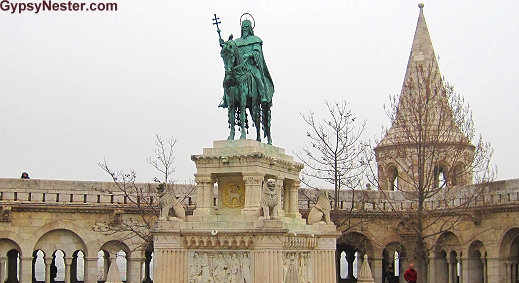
(422, 81)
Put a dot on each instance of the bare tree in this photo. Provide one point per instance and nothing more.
(335, 151)
(428, 155)
(135, 217)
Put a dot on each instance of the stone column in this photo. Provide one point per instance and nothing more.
(484, 261)
(68, 264)
(514, 272)
(48, 263)
(25, 269)
(461, 269)
(280, 188)
(376, 269)
(350, 259)
(494, 268)
(253, 183)
(286, 201)
(293, 209)
(323, 259)
(133, 269)
(2, 266)
(205, 194)
(450, 265)
(90, 269)
(268, 259)
(106, 265)
(508, 271)
(170, 259)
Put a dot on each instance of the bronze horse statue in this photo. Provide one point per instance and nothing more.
(240, 93)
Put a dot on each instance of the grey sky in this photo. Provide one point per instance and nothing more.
(80, 87)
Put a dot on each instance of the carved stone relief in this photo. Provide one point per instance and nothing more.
(220, 267)
(296, 267)
(233, 194)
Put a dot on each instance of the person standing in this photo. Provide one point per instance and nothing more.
(410, 274)
(389, 277)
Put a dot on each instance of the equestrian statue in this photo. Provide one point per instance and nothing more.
(247, 83)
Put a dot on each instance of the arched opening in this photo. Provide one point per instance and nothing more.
(343, 265)
(356, 264)
(440, 175)
(391, 257)
(509, 248)
(454, 271)
(476, 262)
(9, 260)
(103, 263)
(57, 268)
(351, 248)
(442, 268)
(392, 175)
(12, 266)
(38, 266)
(59, 249)
(122, 264)
(77, 269)
(447, 269)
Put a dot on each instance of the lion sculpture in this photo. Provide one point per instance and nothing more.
(170, 205)
(321, 210)
(269, 201)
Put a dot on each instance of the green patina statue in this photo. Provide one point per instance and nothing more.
(247, 83)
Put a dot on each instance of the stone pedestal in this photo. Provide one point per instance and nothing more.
(226, 241)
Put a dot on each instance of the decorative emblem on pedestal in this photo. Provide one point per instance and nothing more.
(233, 194)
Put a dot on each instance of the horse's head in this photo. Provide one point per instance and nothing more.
(229, 54)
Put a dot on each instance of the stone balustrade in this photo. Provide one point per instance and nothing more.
(35, 191)
(499, 193)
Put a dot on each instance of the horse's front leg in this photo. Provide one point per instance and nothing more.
(243, 113)
(230, 114)
(256, 114)
(266, 121)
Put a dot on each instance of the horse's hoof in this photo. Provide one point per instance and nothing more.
(230, 138)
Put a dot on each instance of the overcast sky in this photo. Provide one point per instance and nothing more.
(77, 88)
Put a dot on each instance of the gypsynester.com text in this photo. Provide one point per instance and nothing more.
(48, 5)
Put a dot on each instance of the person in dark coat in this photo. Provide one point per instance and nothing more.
(389, 276)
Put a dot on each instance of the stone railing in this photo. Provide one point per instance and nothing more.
(32, 191)
(499, 193)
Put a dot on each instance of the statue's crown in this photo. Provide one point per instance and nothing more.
(246, 23)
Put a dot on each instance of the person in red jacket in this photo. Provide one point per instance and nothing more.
(411, 275)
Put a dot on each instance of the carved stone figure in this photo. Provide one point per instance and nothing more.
(234, 269)
(5, 213)
(321, 211)
(205, 269)
(220, 270)
(303, 267)
(194, 269)
(269, 200)
(292, 276)
(170, 205)
(245, 268)
(247, 82)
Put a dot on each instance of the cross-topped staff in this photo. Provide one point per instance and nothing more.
(216, 22)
